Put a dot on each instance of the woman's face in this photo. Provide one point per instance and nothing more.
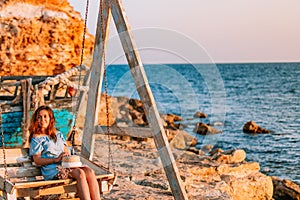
(43, 119)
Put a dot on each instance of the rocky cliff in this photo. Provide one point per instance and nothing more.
(40, 37)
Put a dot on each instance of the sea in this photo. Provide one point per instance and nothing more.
(231, 94)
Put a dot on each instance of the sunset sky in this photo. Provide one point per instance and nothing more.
(227, 31)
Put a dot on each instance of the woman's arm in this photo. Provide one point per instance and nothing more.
(47, 161)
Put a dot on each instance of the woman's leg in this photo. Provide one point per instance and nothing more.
(92, 183)
(82, 184)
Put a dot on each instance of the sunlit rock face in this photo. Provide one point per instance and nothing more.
(40, 37)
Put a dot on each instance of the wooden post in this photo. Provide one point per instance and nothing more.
(39, 98)
(144, 91)
(53, 92)
(82, 101)
(25, 85)
(96, 78)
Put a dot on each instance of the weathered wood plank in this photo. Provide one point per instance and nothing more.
(139, 132)
(11, 155)
(36, 192)
(42, 183)
(6, 185)
(18, 78)
(26, 94)
(99, 170)
(53, 189)
(144, 91)
(10, 84)
(19, 172)
(12, 152)
(40, 97)
(95, 83)
(82, 101)
(53, 92)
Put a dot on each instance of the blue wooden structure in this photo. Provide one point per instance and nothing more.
(12, 125)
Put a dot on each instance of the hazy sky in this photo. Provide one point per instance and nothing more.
(225, 30)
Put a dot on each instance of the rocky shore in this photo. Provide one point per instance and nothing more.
(218, 175)
(208, 173)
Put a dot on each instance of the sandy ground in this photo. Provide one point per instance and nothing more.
(138, 167)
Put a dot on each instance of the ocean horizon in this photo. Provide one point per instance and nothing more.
(231, 94)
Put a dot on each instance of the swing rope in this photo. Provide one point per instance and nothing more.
(72, 135)
(74, 131)
(3, 149)
(81, 61)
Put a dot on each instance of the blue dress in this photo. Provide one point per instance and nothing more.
(48, 149)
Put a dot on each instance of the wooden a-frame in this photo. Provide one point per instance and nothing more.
(115, 9)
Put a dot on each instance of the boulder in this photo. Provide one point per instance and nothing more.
(182, 140)
(200, 115)
(211, 179)
(285, 189)
(137, 112)
(204, 129)
(231, 156)
(169, 121)
(103, 114)
(252, 127)
(255, 186)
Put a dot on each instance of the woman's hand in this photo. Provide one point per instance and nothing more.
(63, 154)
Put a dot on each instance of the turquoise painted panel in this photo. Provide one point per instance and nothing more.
(11, 125)
(63, 121)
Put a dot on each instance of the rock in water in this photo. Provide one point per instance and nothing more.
(252, 127)
(204, 129)
(40, 37)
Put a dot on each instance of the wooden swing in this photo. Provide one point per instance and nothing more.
(20, 177)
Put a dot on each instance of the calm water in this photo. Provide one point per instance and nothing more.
(231, 94)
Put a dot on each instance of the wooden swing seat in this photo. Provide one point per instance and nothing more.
(25, 178)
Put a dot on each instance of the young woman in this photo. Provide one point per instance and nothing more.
(48, 147)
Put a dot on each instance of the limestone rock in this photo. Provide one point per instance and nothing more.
(226, 181)
(122, 111)
(137, 112)
(252, 127)
(41, 37)
(170, 120)
(232, 156)
(200, 115)
(255, 186)
(182, 140)
(130, 112)
(285, 189)
(103, 114)
(204, 129)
